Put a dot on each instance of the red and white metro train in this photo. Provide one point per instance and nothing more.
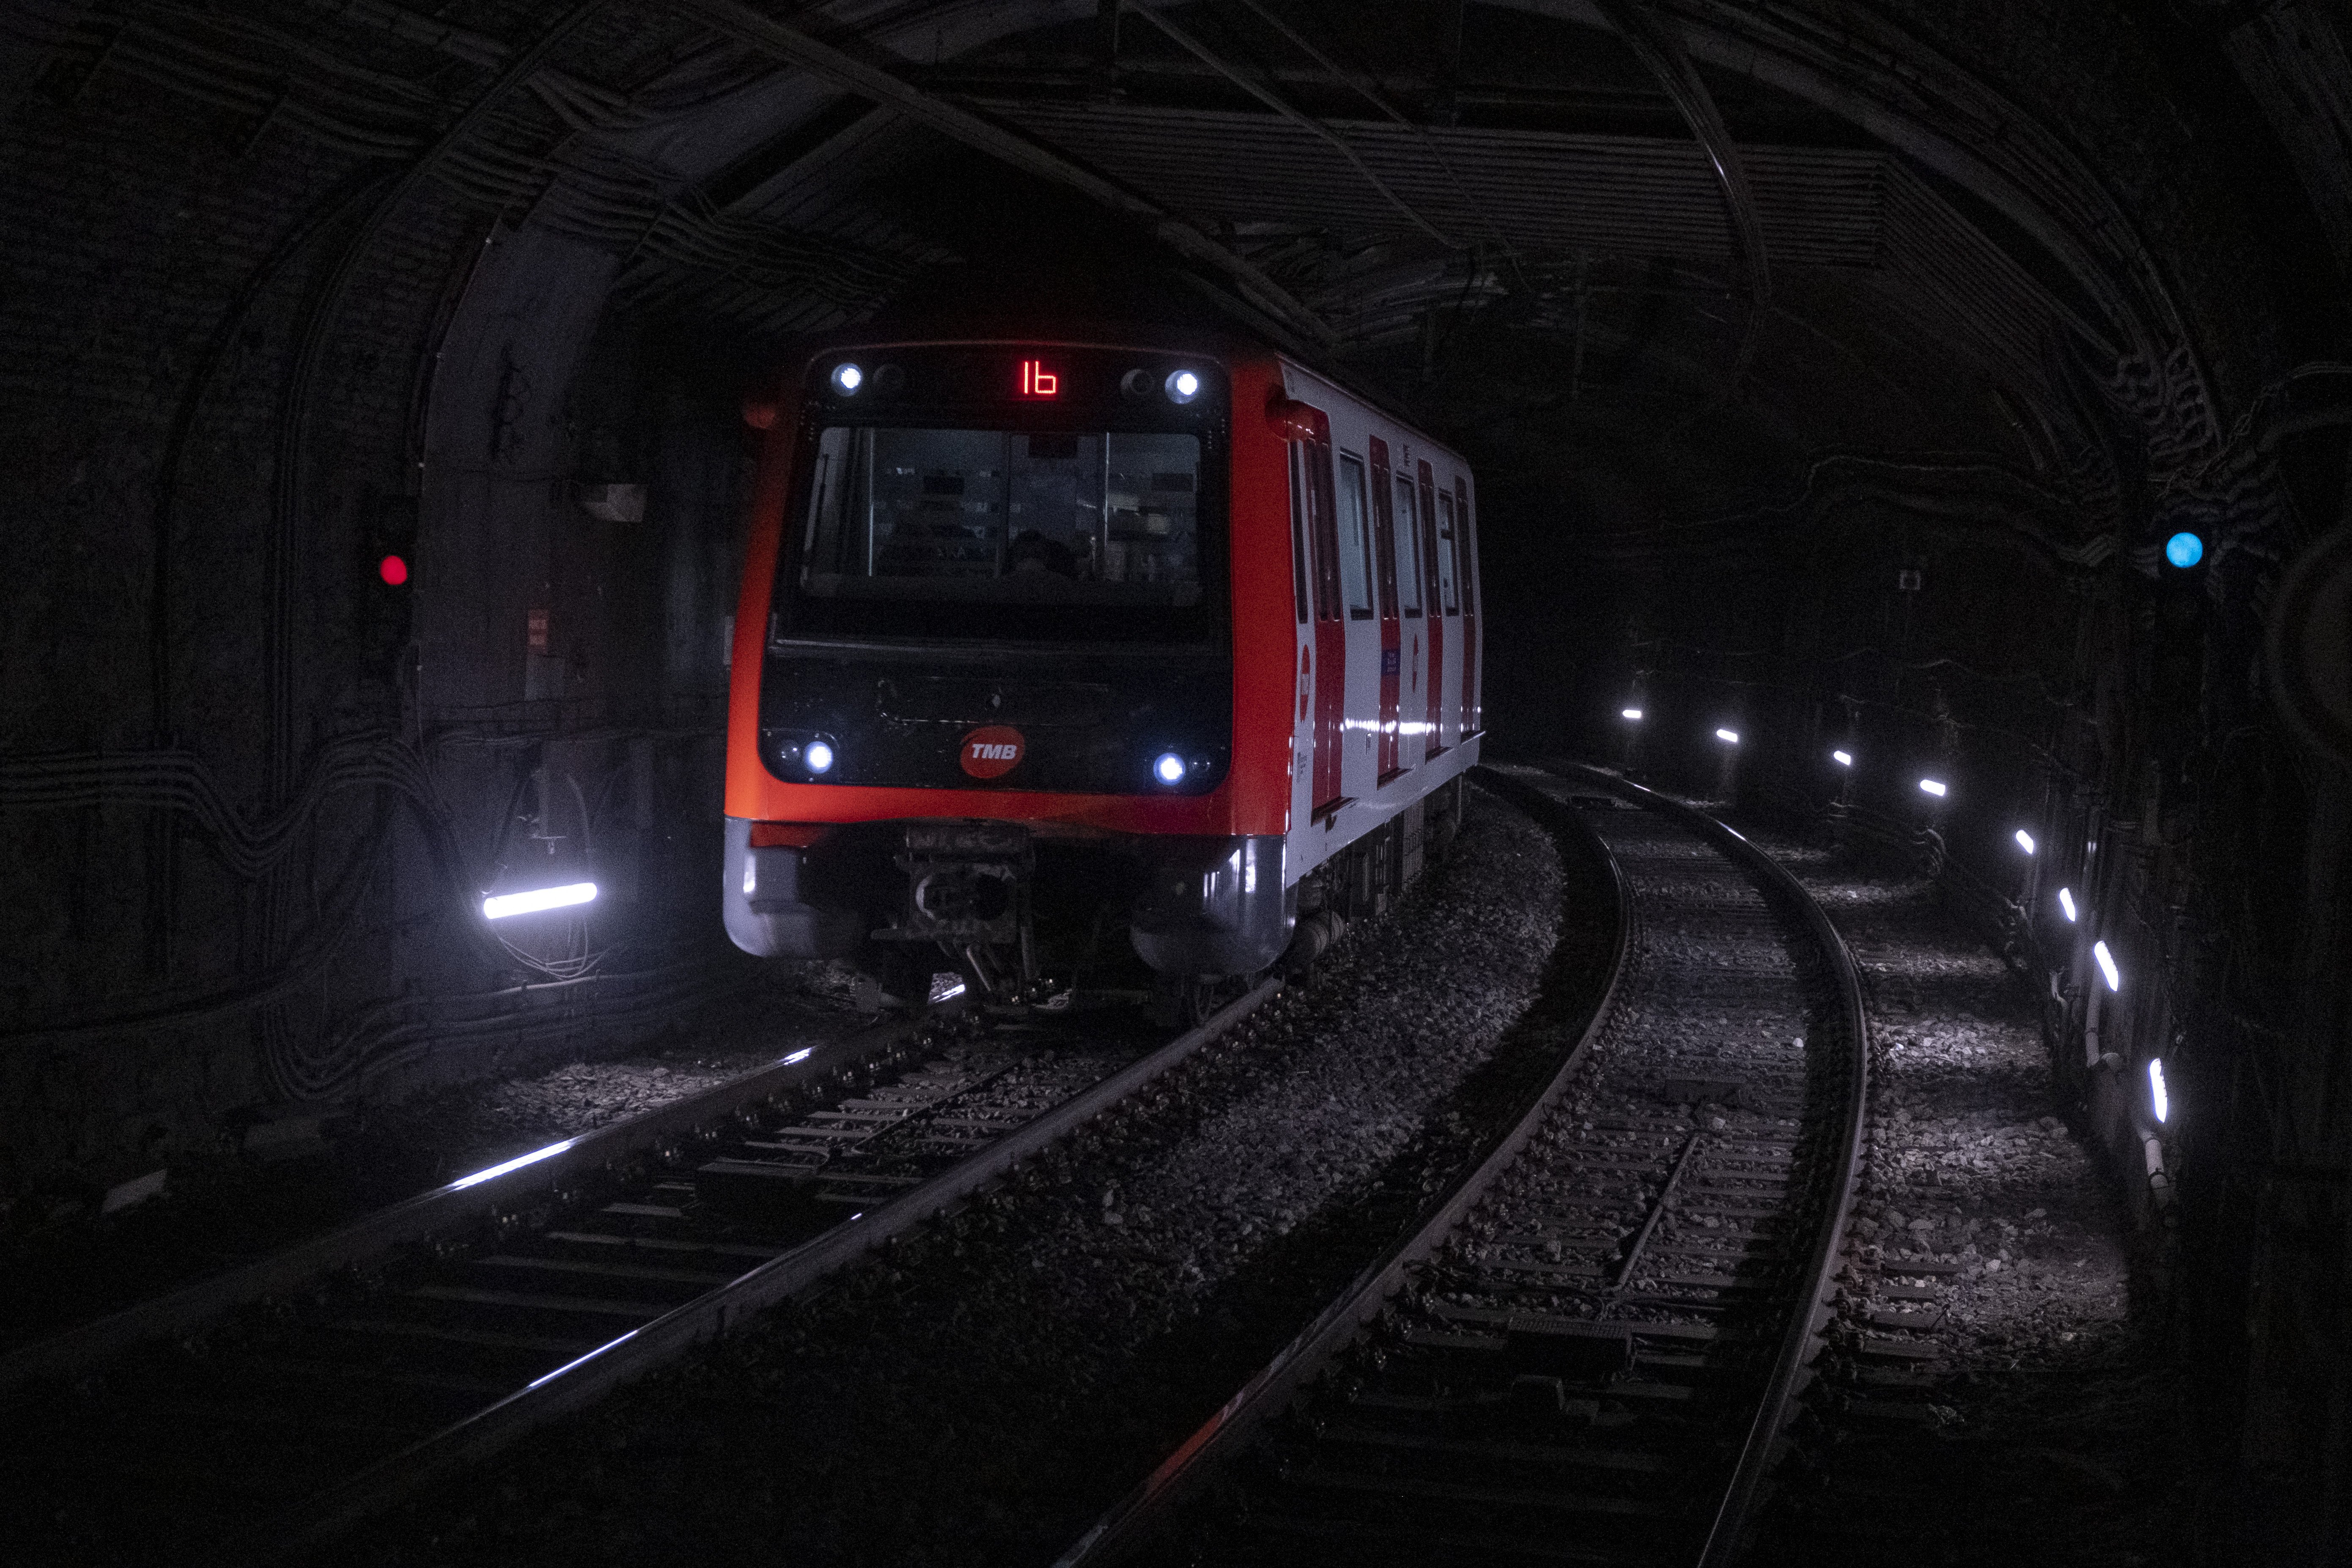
(1042, 639)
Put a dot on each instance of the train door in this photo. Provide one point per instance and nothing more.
(1473, 713)
(1356, 578)
(1391, 623)
(1325, 661)
(1449, 590)
(1435, 716)
(1412, 746)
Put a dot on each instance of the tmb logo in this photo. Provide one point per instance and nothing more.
(993, 751)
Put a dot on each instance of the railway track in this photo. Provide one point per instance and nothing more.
(1589, 1351)
(250, 1417)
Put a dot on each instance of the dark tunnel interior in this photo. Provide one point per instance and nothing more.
(1862, 397)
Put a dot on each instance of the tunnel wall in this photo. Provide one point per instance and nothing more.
(252, 794)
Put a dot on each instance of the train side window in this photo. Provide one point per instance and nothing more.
(1469, 548)
(1355, 538)
(1446, 552)
(1408, 546)
(1299, 529)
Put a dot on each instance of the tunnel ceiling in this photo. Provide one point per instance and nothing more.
(1679, 266)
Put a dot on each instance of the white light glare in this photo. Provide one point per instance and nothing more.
(2161, 1100)
(1728, 737)
(2066, 902)
(1633, 713)
(592, 1355)
(2025, 841)
(1842, 759)
(538, 899)
(799, 1056)
(2107, 965)
(517, 1163)
(1933, 786)
(819, 757)
(1167, 768)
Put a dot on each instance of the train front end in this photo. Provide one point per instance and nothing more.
(984, 707)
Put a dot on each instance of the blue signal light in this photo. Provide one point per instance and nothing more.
(819, 757)
(2184, 549)
(1167, 768)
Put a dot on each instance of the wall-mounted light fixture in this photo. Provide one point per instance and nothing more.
(2066, 902)
(2107, 965)
(2024, 840)
(1933, 786)
(2159, 1101)
(1842, 759)
(1728, 737)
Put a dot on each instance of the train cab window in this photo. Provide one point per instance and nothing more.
(1408, 547)
(1355, 538)
(1446, 552)
(995, 516)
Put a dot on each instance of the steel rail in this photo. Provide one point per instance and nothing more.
(1728, 1535)
(1125, 1527)
(434, 1214)
(1267, 1394)
(325, 1515)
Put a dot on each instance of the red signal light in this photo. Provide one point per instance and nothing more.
(392, 570)
(1037, 380)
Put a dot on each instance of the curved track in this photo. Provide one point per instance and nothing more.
(257, 1414)
(1588, 1352)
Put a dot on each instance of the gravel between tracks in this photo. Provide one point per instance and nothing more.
(2048, 1390)
(979, 1396)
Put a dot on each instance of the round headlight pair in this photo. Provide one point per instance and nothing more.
(1180, 385)
(848, 379)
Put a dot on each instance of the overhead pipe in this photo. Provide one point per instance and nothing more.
(1658, 44)
(781, 41)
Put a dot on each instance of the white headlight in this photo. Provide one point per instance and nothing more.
(1167, 768)
(847, 379)
(1183, 385)
(819, 757)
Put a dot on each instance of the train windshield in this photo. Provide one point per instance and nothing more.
(1099, 526)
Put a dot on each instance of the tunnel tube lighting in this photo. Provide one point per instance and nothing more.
(2159, 1101)
(1842, 759)
(2184, 549)
(2107, 965)
(1633, 713)
(2066, 902)
(2025, 841)
(500, 907)
(517, 1163)
(1935, 787)
(1728, 737)
(799, 1056)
